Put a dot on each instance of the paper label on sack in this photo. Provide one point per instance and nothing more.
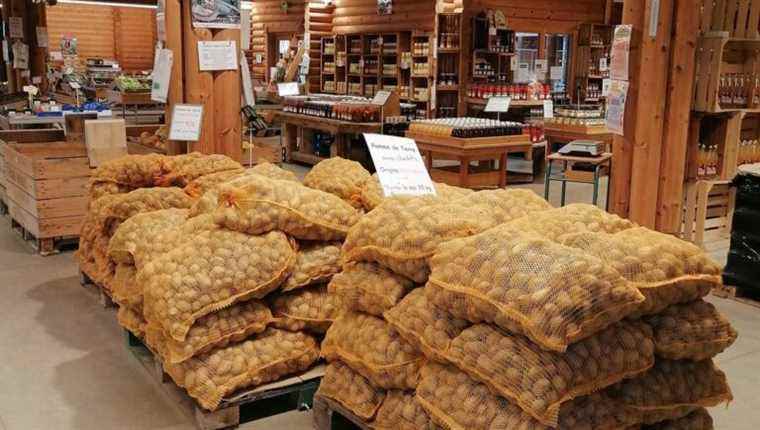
(498, 104)
(217, 55)
(399, 166)
(16, 27)
(621, 48)
(42, 37)
(162, 74)
(616, 107)
(555, 73)
(288, 89)
(186, 123)
(245, 78)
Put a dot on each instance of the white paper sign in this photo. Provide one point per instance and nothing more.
(288, 89)
(245, 77)
(555, 73)
(217, 55)
(399, 166)
(42, 37)
(541, 68)
(245, 31)
(162, 75)
(259, 58)
(498, 104)
(186, 123)
(381, 98)
(523, 73)
(56, 55)
(20, 55)
(548, 109)
(36, 80)
(621, 48)
(74, 85)
(6, 54)
(161, 26)
(603, 67)
(616, 107)
(513, 63)
(606, 83)
(16, 27)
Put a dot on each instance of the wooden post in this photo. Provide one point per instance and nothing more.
(677, 117)
(199, 86)
(173, 17)
(38, 55)
(227, 116)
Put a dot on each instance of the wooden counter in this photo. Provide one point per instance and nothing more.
(485, 150)
(293, 125)
(557, 133)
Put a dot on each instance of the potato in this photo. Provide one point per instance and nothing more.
(401, 411)
(372, 348)
(666, 269)
(697, 420)
(183, 169)
(672, 390)
(552, 294)
(261, 205)
(265, 358)
(351, 390)
(340, 177)
(311, 309)
(134, 171)
(540, 381)
(428, 328)
(316, 262)
(213, 270)
(367, 287)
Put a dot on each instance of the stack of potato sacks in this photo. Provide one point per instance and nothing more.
(566, 318)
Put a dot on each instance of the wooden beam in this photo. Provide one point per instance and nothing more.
(678, 110)
(199, 86)
(173, 14)
(227, 116)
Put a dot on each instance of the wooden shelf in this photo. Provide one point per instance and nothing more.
(516, 103)
(305, 157)
(448, 50)
(447, 87)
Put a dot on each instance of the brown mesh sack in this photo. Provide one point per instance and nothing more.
(694, 331)
(372, 194)
(187, 168)
(200, 186)
(131, 319)
(403, 232)
(311, 309)
(265, 358)
(506, 205)
(697, 420)
(455, 401)
(371, 347)
(573, 218)
(135, 171)
(219, 329)
(139, 201)
(124, 288)
(155, 340)
(338, 176)
(428, 328)
(540, 381)
(351, 390)
(401, 411)
(367, 287)
(263, 205)
(271, 171)
(316, 262)
(553, 294)
(141, 229)
(673, 389)
(98, 189)
(212, 271)
(666, 269)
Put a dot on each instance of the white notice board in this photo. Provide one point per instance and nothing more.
(498, 104)
(186, 123)
(399, 166)
(217, 55)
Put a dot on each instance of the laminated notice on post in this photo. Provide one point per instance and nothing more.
(186, 123)
(399, 166)
(616, 107)
(217, 55)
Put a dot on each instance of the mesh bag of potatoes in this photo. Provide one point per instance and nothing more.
(403, 232)
(694, 331)
(261, 205)
(338, 176)
(428, 328)
(213, 270)
(372, 194)
(540, 381)
(553, 294)
(217, 330)
(316, 262)
(455, 401)
(256, 361)
(197, 187)
(131, 319)
(666, 269)
(672, 389)
(141, 229)
(100, 189)
(351, 390)
(187, 168)
(135, 171)
(367, 287)
(311, 309)
(139, 201)
(697, 420)
(155, 340)
(506, 205)
(124, 288)
(573, 218)
(401, 411)
(371, 347)
(272, 171)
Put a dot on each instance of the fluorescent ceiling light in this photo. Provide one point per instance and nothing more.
(98, 3)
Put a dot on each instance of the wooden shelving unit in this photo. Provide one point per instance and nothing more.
(328, 72)
(448, 64)
(727, 68)
(592, 57)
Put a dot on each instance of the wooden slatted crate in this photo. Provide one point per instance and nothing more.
(718, 55)
(709, 210)
(740, 18)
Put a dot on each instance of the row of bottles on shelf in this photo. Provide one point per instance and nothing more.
(594, 91)
(448, 32)
(329, 48)
(345, 110)
(421, 49)
(421, 69)
(708, 160)
(485, 70)
(466, 128)
(749, 152)
(447, 70)
(328, 67)
(599, 66)
(735, 90)
(514, 91)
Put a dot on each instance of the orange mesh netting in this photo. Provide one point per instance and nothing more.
(401, 411)
(131, 319)
(311, 309)
(199, 186)
(338, 176)
(553, 294)
(316, 262)
(573, 218)
(141, 229)
(351, 390)
(697, 420)
(367, 287)
(506, 205)
(372, 348)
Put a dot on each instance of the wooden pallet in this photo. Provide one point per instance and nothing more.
(294, 393)
(734, 293)
(86, 281)
(43, 246)
(330, 415)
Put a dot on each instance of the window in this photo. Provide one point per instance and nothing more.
(558, 55)
(527, 54)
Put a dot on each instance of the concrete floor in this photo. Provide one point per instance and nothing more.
(64, 364)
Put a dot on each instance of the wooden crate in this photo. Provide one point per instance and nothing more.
(740, 18)
(709, 209)
(719, 55)
(264, 150)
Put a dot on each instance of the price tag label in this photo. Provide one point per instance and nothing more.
(498, 104)
(288, 89)
(603, 67)
(381, 98)
(548, 109)
(186, 123)
(399, 166)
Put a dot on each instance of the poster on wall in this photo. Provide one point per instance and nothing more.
(616, 107)
(16, 27)
(42, 37)
(384, 7)
(216, 13)
(621, 48)
(20, 55)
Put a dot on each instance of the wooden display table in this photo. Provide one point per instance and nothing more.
(557, 133)
(484, 150)
(16, 122)
(293, 125)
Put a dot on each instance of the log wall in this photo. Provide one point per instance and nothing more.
(268, 19)
(360, 16)
(542, 16)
